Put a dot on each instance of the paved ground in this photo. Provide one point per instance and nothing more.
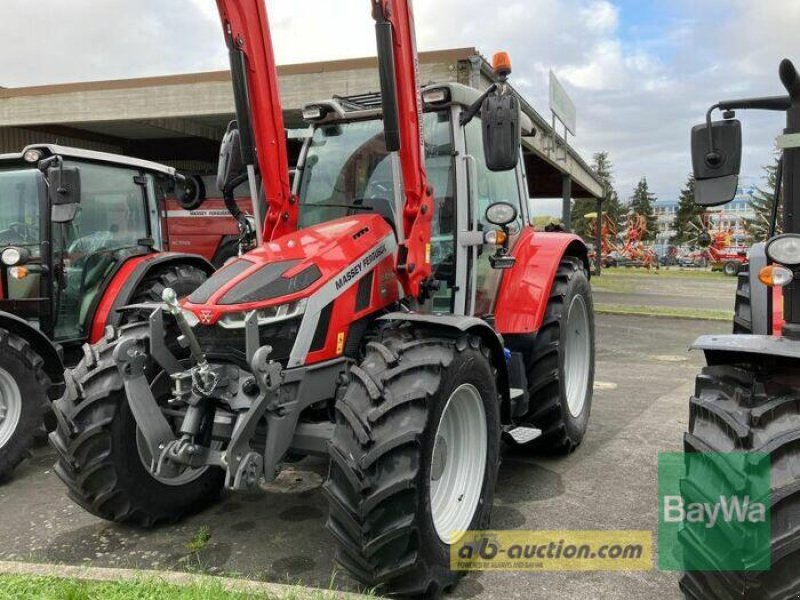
(640, 408)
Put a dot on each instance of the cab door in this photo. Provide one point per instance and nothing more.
(486, 187)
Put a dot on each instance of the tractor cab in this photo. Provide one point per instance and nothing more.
(68, 219)
(345, 169)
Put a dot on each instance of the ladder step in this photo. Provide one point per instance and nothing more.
(522, 434)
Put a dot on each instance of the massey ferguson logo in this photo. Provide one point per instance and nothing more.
(205, 317)
(360, 267)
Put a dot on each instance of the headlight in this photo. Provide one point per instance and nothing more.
(785, 249)
(11, 256)
(273, 314)
(32, 156)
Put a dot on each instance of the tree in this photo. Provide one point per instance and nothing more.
(687, 212)
(611, 205)
(642, 204)
(761, 202)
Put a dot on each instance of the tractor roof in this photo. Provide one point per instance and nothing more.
(89, 155)
(365, 106)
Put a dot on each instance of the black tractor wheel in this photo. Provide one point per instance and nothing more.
(560, 365)
(23, 400)
(414, 458)
(731, 268)
(102, 457)
(738, 410)
(743, 311)
(182, 278)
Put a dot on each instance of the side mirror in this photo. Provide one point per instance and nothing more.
(502, 132)
(716, 161)
(189, 191)
(230, 163)
(64, 193)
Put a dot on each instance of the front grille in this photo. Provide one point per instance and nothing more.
(228, 345)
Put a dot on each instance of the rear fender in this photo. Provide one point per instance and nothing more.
(119, 290)
(525, 288)
(41, 344)
(455, 324)
(739, 348)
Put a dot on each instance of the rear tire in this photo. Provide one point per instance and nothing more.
(731, 268)
(98, 456)
(388, 465)
(23, 400)
(182, 278)
(737, 409)
(560, 365)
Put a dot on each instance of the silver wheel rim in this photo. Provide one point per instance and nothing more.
(10, 407)
(577, 357)
(458, 463)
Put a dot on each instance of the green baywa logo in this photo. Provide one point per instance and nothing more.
(729, 508)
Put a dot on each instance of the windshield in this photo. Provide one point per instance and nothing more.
(347, 165)
(19, 209)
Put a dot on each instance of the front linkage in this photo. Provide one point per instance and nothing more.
(198, 387)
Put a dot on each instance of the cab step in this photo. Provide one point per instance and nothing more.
(522, 434)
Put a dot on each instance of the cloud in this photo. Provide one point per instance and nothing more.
(639, 84)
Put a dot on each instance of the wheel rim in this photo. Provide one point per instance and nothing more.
(10, 406)
(187, 475)
(458, 463)
(577, 358)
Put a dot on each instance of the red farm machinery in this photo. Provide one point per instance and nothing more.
(400, 317)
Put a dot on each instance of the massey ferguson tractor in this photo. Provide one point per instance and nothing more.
(748, 397)
(82, 234)
(400, 317)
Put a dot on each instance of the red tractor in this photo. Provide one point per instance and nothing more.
(82, 234)
(748, 397)
(401, 317)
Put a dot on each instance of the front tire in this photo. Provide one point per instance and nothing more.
(731, 268)
(397, 488)
(100, 458)
(23, 400)
(736, 409)
(560, 365)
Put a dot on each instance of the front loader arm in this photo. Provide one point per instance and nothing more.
(258, 109)
(414, 265)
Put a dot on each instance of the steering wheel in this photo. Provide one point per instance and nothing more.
(23, 230)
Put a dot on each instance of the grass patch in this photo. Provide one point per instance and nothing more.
(666, 272)
(30, 587)
(664, 311)
(199, 540)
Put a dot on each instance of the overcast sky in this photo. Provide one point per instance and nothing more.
(641, 72)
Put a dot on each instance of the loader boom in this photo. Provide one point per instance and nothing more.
(259, 112)
(414, 261)
(258, 109)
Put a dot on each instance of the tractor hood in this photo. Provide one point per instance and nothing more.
(282, 274)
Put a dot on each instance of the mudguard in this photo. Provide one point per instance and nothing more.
(463, 324)
(123, 282)
(525, 288)
(723, 349)
(41, 344)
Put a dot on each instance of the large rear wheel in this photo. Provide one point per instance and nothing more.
(738, 409)
(23, 399)
(560, 364)
(101, 455)
(414, 458)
